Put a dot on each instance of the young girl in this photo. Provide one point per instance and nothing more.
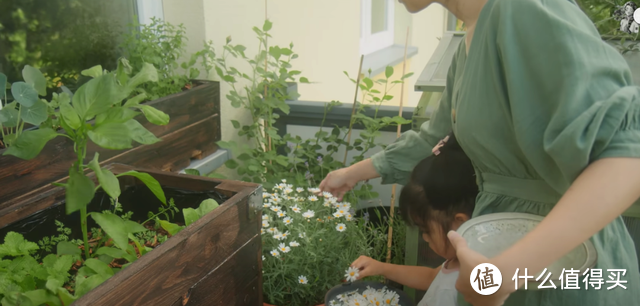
(439, 197)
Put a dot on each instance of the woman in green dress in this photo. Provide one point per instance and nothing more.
(550, 117)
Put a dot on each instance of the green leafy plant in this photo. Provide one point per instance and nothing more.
(163, 45)
(601, 13)
(190, 215)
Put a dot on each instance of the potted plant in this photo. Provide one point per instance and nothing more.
(59, 271)
(194, 104)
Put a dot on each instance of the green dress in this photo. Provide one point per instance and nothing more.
(538, 98)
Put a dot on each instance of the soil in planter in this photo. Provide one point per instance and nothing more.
(137, 199)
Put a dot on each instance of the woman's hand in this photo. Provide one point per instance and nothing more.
(338, 182)
(368, 266)
(469, 259)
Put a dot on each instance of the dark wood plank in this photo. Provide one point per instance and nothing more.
(235, 282)
(172, 153)
(20, 177)
(166, 274)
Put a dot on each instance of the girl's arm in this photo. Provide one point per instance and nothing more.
(411, 276)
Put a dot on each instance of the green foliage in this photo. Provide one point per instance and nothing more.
(162, 45)
(601, 13)
(190, 216)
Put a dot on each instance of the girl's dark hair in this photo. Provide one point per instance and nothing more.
(440, 187)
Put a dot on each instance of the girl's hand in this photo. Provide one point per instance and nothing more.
(338, 182)
(469, 259)
(368, 266)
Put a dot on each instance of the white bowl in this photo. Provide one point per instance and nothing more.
(492, 234)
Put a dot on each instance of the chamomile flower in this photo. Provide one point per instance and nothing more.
(277, 236)
(273, 230)
(263, 258)
(302, 280)
(276, 208)
(327, 194)
(296, 209)
(309, 214)
(281, 214)
(352, 274)
(290, 198)
(299, 189)
(326, 204)
(284, 248)
(265, 218)
(349, 217)
(276, 200)
(313, 190)
(288, 190)
(300, 199)
(275, 253)
(341, 227)
(287, 220)
(302, 235)
(294, 244)
(284, 180)
(313, 198)
(265, 195)
(337, 214)
(284, 235)
(262, 231)
(265, 223)
(266, 205)
(341, 212)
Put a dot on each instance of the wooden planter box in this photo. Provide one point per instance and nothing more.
(214, 261)
(193, 129)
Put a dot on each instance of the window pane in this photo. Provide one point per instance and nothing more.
(378, 16)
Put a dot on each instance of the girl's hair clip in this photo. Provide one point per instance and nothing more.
(441, 143)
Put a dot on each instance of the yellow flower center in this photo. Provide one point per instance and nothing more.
(352, 273)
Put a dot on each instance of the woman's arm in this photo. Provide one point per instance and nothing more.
(411, 276)
(600, 194)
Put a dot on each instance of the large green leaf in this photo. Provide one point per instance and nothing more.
(123, 71)
(98, 266)
(3, 85)
(108, 181)
(148, 73)
(97, 96)
(15, 245)
(116, 253)
(116, 114)
(9, 116)
(35, 78)
(117, 228)
(114, 136)
(94, 72)
(84, 285)
(150, 182)
(135, 100)
(67, 248)
(36, 114)
(154, 115)
(207, 206)
(42, 297)
(24, 93)
(172, 228)
(30, 143)
(80, 191)
(140, 134)
(70, 116)
(190, 216)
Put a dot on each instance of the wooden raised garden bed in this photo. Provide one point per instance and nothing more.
(191, 134)
(214, 261)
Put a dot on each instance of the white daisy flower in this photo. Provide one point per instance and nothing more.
(263, 258)
(284, 180)
(275, 208)
(302, 235)
(341, 227)
(290, 198)
(342, 212)
(352, 274)
(265, 195)
(296, 209)
(337, 214)
(313, 198)
(300, 199)
(266, 205)
(276, 200)
(284, 235)
(299, 189)
(327, 194)
(302, 280)
(265, 217)
(277, 236)
(349, 217)
(283, 248)
(294, 244)
(281, 214)
(273, 230)
(262, 231)
(288, 190)
(309, 214)
(275, 253)
(265, 223)
(313, 190)
(287, 220)
(326, 204)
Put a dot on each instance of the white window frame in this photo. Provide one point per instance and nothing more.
(371, 43)
(148, 9)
